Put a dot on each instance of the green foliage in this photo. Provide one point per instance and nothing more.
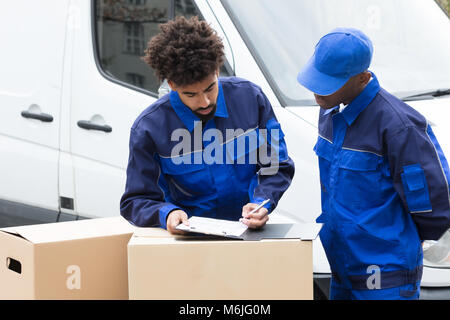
(445, 4)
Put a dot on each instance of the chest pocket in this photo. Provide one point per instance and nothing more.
(359, 179)
(186, 181)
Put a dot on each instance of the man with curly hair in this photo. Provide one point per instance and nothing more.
(164, 188)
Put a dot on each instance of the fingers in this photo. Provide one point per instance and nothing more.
(253, 223)
(249, 207)
(184, 219)
(174, 219)
(256, 215)
(254, 220)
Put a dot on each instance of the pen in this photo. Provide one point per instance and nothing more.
(260, 206)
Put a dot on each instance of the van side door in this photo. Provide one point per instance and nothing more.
(33, 36)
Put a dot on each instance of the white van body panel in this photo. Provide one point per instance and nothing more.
(435, 277)
(437, 112)
(99, 158)
(31, 68)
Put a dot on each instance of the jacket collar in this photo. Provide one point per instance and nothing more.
(352, 111)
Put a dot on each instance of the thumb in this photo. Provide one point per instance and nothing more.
(184, 219)
(249, 207)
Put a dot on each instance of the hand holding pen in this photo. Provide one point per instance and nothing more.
(255, 215)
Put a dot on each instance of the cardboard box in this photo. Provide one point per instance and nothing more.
(85, 259)
(161, 266)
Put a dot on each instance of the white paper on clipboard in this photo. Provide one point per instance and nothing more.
(214, 227)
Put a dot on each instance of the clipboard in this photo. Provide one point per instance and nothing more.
(302, 231)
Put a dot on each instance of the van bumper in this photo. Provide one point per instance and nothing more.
(434, 293)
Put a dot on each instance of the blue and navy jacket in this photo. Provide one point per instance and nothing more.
(385, 184)
(159, 181)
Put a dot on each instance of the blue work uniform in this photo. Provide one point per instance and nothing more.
(214, 177)
(385, 188)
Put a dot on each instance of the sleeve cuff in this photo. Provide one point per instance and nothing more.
(164, 212)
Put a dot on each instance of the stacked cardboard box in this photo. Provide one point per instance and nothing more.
(84, 259)
(108, 258)
(161, 266)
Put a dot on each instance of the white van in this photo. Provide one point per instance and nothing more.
(72, 83)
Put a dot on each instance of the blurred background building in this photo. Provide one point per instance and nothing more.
(445, 4)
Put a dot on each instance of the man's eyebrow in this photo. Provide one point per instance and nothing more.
(194, 93)
(210, 86)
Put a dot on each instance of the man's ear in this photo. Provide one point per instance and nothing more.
(365, 78)
(172, 85)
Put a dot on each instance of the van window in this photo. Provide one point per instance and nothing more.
(411, 40)
(123, 29)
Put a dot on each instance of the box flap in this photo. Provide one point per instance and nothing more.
(72, 230)
(151, 233)
(307, 231)
(159, 233)
(12, 231)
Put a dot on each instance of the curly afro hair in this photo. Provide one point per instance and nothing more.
(185, 51)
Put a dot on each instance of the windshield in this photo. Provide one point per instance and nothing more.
(411, 40)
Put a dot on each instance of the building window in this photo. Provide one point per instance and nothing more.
(135, 79)
(137, 2)
(134, 40)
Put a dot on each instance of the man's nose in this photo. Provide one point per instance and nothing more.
(204, 101)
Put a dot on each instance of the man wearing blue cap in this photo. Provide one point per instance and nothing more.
(384, 177)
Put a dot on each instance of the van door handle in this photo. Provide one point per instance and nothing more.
(44, 117)
(92, 126)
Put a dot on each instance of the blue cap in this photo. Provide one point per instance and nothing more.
(339, 55)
